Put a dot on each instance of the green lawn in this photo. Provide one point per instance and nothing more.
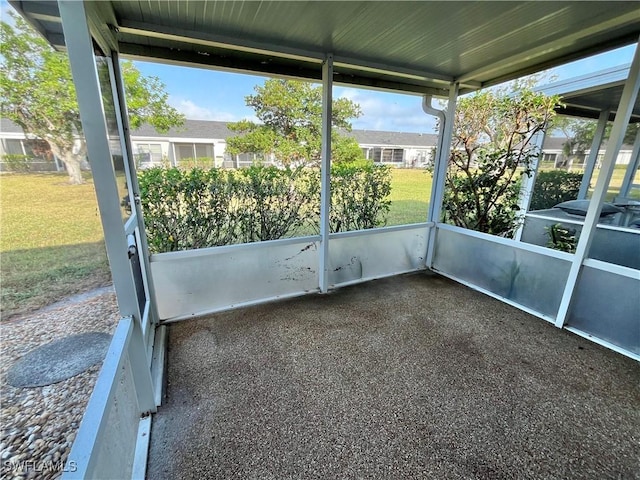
(410, 193)
(51, 244)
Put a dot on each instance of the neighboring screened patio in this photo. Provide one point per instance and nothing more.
(428, 49)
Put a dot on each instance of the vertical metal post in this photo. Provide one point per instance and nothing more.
(526, 191)
(325, 172)
(593, 154)
(132, 181)
(86, 80)
(629, 95)
(634, 163)
(441, 163)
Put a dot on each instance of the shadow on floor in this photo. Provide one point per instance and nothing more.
(407, 377)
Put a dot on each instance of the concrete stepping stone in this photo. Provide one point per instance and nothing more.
(59, 360)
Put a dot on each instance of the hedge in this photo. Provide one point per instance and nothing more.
(197, 208)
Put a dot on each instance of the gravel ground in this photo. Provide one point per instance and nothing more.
(407, 377)
(38, 425)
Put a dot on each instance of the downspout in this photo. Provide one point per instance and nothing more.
(429, 109)
(441, 163)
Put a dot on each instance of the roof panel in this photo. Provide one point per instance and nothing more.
(588, 95)
(478, 43)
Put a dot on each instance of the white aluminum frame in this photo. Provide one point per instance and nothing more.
(630, 174)
(629, 95)
(325, 172)
(526, 191)
(126, 346)
(590, 164)
(441, 163)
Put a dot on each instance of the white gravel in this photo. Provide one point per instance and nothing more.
(38, 425)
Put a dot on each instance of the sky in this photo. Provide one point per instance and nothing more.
(204, 94)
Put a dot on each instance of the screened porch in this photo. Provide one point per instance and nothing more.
(443, 50)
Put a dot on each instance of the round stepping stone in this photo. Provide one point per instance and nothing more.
(59, 360)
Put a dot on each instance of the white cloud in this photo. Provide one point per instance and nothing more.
(384, 112)
(196, 112)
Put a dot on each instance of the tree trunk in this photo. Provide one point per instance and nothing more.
(71, 161)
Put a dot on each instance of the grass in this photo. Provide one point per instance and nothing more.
(410, 193)
(51, 244)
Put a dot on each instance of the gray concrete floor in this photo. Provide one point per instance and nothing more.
(407, 377)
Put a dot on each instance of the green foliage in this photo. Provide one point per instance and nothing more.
(187, 209)
(553, 187)
(272, 202)
(37, 93)
(562, 238)
(578, 133)
(290, 116)
(16, 163)
(359, 195)
(201, 162)
(345, 149)
(492, 147)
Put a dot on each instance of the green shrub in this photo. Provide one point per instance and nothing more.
(553, 187)
(16, 163)
(562, 238)
(188, 209)
(272, 202)
(359, 195)
(200, 162)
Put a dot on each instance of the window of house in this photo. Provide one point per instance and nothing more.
(32, 148)
(12, 147)
(397, 155)
(193, 151)
(392, 155)
(377, 154)
(149, 152)
(549, 157)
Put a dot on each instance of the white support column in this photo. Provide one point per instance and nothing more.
(529, 181)
(441, 163)
(590, 164)
(629, 95)
(132, 180)
(86, 80)
(629, 175)
(325, 172)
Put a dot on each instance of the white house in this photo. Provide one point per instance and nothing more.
(205, 142)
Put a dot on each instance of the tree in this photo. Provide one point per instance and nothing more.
(579, 135)
(492, 147)
(290, 116)
(37, 93)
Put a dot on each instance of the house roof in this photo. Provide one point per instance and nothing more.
(205, 129)
(406, 139)
(418, 47)
(7, 126)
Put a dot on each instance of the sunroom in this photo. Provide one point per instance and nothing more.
(427, 49)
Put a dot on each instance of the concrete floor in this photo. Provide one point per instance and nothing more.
(407, 377)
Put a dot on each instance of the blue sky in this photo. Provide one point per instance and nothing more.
(204, 94)
(215, 95)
